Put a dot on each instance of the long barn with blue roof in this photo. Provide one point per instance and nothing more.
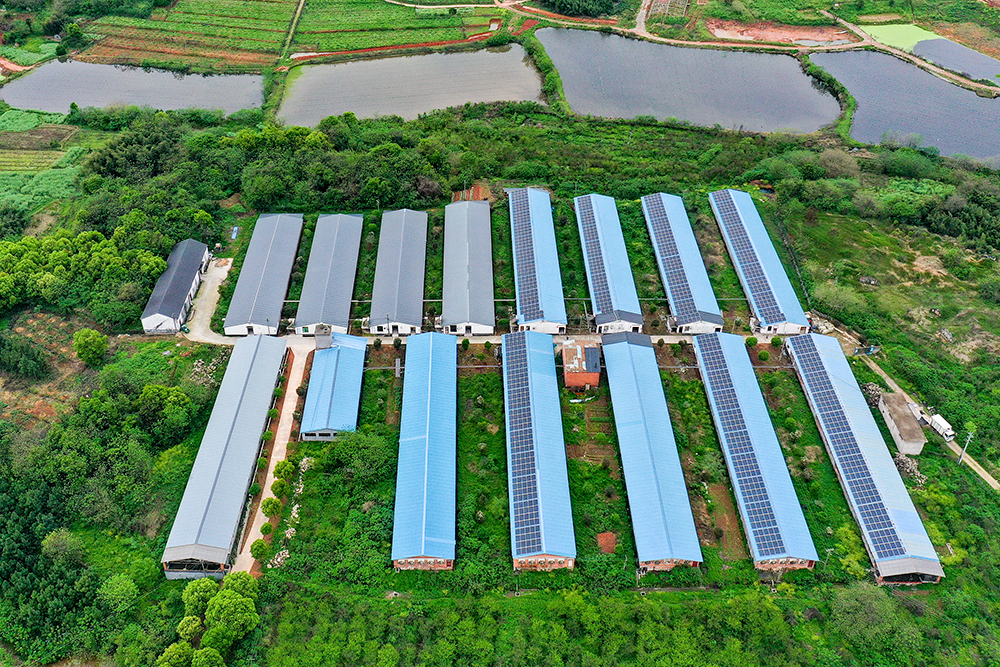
(541, 526)
(693, 307)
(772, 516)
(423, 528)
(537, 282)
(612, 289)
(665, 534)
(893, 532)
(333, 397)
(775, 308)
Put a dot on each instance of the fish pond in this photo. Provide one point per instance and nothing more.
(897, 99)
(938, 50)
(608, 75)
(55, 85)
(410, 85)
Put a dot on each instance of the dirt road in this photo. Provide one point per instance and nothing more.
(200, 319)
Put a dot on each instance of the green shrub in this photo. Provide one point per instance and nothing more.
(266, 529)
(272, 413)
(751, 342)
(465, 343)
(90, 346)
(285, 470)
(271, 507)
(254, 489)
(776, 341)
(280, 488)
(764, 355)
(259, 550)
(267, 436)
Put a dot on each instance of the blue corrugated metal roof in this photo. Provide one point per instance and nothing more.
(860, 454)
(678, 256)
(538, 483)
(609, 275)
(334, 393)
(769, 507)
(424, 521)
(775, 280)
(536, 259)
(657, 494)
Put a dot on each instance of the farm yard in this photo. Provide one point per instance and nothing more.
(347, 25)
(227, 33)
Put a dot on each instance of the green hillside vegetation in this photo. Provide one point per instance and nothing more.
(86, 502)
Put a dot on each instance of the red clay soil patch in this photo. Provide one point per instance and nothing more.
(775, 32)
(531, 23)
(11, 66)
(563, 17)
(607, 542)
(733, 547)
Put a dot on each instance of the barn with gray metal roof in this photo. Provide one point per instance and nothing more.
(263, 283)
(467, 304)
(202, 538)
(397, 307)
(329, 284)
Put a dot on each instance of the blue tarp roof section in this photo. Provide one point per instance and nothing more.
(334, 394)
(424, 522)
(689, 290)
(657, 494)
(609, 275)
(539, 477)
(756, 464)
(818, 359)
(536, 260)
(774, 272)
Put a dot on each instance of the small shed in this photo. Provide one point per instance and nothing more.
(171, 300)
(581, 364)
(905, 428)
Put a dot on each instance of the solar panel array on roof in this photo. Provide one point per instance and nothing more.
(423, 530)
(536, 262)
(609, 275)
(541, 516)
(334, 394)
(398, 292)
(467, 300)
(263, 282)
(689, 292)
(329, 283)
(760, 271)
(204, 531)
(776, 529)
(892, 529)
(665, 534)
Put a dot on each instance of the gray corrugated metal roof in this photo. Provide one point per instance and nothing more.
(174, 284)
(398, 293)
(213, 501)
(468, 264)
(263, 283)
(424, 515)
(333, 260)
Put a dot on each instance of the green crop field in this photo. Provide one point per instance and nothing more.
(28, 160)
(342, 25)
(198, 33)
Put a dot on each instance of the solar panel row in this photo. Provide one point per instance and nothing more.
(522, 468)
(748, 263)
(596, 269)
(679, 294)
(528, 303)
(851, 463)
(742, 457)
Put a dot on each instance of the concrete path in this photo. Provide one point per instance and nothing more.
(200, 319)
(300, 347)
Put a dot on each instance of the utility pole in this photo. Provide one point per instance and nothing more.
(971, 428)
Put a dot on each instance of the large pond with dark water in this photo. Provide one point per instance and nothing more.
(897, 99)
(55, 85)
(608, 75)
(408, 86)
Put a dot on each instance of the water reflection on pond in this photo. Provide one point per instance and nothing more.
(55, 85)
(408, 86)
(608, 75)
(899, 99)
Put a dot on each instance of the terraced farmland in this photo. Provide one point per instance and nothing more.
(200, 33)
(18, 160)
(347, 25)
